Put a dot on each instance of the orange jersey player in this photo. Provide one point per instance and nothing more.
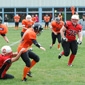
(26, 24)
(33, 18)
(46, 19)
(3, 30)
(17, 18)
(56, 26)
(28, 39)
(60, 16)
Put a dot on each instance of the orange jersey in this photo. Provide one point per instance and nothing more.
(34, 19)
(46, 19)
(56, 27)
(27, 24)
(60, 17)
(26, 40)
(3, 29)
(17, 18)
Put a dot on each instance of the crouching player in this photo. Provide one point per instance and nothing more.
(6, 60)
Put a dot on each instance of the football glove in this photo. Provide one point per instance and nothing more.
(79, 42)
(65, 39)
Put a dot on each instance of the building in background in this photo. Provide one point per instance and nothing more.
(41, 8)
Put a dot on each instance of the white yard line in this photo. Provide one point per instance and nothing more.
(14, 43)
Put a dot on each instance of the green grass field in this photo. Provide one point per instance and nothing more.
(50, 70)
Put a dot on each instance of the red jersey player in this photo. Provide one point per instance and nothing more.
(69, 42)
(6, 60)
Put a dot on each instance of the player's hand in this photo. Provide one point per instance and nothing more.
(79, 42)
(23, 49)
(65, 39)
(43, 48)
(7, 41)
(55, 33)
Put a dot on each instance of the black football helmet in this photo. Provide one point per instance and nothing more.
(58, 19)
(37, 28)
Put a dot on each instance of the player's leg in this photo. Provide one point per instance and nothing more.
(66, 49)
(45, 25)
(59, 40)
(17, 25)
(25, 58)
(53, 40)
(74, 48)
(4, 69)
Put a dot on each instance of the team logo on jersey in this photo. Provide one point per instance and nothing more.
(4, 50)
(60, 23)
(2, 29)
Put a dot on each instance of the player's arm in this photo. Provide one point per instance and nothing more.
(62, 31)
(79, 41)
(17, 57)
(53, 30)
(5, 38)
(37, 44)
(23, 27)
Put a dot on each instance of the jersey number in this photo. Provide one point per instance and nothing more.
(73, 33)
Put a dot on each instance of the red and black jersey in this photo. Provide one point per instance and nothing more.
(4, 65)
(72, 31)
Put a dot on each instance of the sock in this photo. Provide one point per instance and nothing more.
(26, 69)
(58, 45)
(47, 27)
(71, 59)
(15, 28)
(62, 52)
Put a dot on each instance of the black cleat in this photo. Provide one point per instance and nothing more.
(24, 79)
(59, 56)
(50, 46)
(29, 74)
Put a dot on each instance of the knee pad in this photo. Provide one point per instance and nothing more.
(66, 53)
(28, 64)
(37, 59)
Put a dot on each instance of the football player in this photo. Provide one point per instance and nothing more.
(46, 19)
(17, 18)
(28, 39)
(55, 28)
(69, 42)
(6, 60)
(26, 24)
(3, 30)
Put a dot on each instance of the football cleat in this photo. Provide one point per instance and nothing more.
(70, 65)
(24, 79)
(51, 46)
(59, 56)
(29, 74)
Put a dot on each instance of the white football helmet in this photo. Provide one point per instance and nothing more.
(5, 50)
(28, 18)
(75, 19)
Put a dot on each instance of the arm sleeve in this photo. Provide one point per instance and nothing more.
(36, 43)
